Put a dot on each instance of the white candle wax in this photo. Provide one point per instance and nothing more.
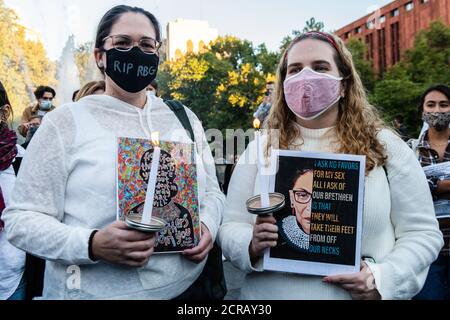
(265, 201)
(148, 207)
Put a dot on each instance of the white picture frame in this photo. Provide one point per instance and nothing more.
(313, 267)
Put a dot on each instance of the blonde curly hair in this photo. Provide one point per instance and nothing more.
(359, 122)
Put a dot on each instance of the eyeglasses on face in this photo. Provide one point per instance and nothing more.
(301, 196)
(125, 43)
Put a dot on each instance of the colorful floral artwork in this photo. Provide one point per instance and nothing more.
(176, 197)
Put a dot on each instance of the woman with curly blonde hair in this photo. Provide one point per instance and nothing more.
(321, 106)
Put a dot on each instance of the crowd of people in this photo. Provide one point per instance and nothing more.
(58, 190)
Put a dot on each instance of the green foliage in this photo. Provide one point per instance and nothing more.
(288, 39)
(223, 85)
(82, 56)
(363, 66)
(399, 97)
(268, 60)
(24, 63)
(313, 25)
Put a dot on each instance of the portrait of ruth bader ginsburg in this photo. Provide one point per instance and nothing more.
(178, 218)
(295, 229)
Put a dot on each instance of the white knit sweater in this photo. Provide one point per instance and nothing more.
(67, 188)
(400, 230)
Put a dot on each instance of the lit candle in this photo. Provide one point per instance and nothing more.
(265, 202)
(149, 199)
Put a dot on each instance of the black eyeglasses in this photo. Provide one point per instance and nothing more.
(301, 196)
(125, 43)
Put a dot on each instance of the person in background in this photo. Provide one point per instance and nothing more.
(35, 123)
(44, 96)
(264, 109)
(63, 208)
(321, 106)
(12, 260)
(433, 147)
(91, 88)
(74, 95)
(153, 88)
(401, 128)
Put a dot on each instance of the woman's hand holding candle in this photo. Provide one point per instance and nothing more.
(265, 236)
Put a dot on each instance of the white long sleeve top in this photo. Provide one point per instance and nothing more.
(67, 188)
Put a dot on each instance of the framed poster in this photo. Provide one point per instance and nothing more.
(320, 226)
(176, 195)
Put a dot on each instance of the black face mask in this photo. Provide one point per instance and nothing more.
(133, 70)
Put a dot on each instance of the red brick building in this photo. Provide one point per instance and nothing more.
(392, 29)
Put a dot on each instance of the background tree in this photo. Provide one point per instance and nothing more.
(267, 60)
(427, 63)
(310, 25)
(399, 97)
(83, 59)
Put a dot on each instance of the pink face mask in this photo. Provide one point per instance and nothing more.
(310, 94)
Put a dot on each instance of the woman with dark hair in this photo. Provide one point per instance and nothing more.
(12, 260)
(64, 205)
(433, 147)
(44, 96)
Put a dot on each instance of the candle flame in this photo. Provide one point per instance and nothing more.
(257, 124)
(155, 139)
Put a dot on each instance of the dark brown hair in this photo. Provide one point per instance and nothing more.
(6, 111)
(41, 90)
(442, 88)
